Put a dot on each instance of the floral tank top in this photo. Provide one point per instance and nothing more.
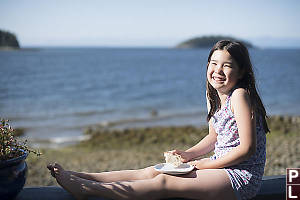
(228, 138)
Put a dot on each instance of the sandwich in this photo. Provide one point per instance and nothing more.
(173, 159)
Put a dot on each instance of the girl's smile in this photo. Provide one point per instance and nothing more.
(218, 79)
(222, 71)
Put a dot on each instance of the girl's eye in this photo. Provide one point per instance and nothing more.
(229, 66)
(213, 63)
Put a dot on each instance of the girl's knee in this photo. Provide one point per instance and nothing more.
(150, 172)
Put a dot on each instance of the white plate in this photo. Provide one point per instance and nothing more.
(170, 169)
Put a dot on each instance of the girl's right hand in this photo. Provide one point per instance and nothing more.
(185, 156)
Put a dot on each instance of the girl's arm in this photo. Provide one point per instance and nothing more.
(206, 145)
(247, 132)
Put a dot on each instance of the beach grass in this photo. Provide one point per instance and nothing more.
(135, 148)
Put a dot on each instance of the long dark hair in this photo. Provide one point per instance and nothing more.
(239, 53)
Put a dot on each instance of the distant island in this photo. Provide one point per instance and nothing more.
(207, 42)
(8, 41)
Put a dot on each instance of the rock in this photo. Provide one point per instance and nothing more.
(8, 41)
(207, 42)
(154, 113)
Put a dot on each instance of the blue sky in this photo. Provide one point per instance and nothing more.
(266, 23)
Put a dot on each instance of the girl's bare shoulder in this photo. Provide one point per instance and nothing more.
(240, 92)
(240, 95)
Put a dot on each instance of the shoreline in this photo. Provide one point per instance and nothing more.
(7, 48)
(86, 132)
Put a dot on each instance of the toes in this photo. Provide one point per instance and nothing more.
(50, 166)
(59, 167)
(56, 171)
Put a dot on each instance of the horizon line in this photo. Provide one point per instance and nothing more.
(140, 46)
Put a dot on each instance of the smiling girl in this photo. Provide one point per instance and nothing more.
(237, 128)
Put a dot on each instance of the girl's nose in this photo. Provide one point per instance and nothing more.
(218, 68)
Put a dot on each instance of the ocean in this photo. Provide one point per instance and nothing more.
(54, 94)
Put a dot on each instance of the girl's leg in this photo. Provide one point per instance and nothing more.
(200, 184)
(207, 184)
(124, 175)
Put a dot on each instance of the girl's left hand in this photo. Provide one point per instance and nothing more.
(200, 164)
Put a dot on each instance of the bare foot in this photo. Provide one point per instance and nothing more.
(69, 182)
(50, 166)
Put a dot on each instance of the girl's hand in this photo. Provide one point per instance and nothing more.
(200, 164)
(185, 156)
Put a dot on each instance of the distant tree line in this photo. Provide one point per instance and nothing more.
(8, 39)
(207, 42)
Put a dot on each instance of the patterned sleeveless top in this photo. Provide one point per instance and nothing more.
(228, 138)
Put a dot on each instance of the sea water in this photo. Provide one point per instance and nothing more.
(55, 93)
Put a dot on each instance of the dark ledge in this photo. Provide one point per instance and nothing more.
(273, 188)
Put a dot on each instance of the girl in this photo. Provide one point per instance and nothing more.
(237, 128)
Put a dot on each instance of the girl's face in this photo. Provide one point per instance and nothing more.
(223, 72)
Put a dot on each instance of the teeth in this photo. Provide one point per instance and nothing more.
(218, 79)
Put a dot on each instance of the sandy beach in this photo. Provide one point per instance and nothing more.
(142, 147)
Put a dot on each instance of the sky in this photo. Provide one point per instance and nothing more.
(152, 23)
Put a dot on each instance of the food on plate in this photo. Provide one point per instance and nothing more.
(173, 159)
